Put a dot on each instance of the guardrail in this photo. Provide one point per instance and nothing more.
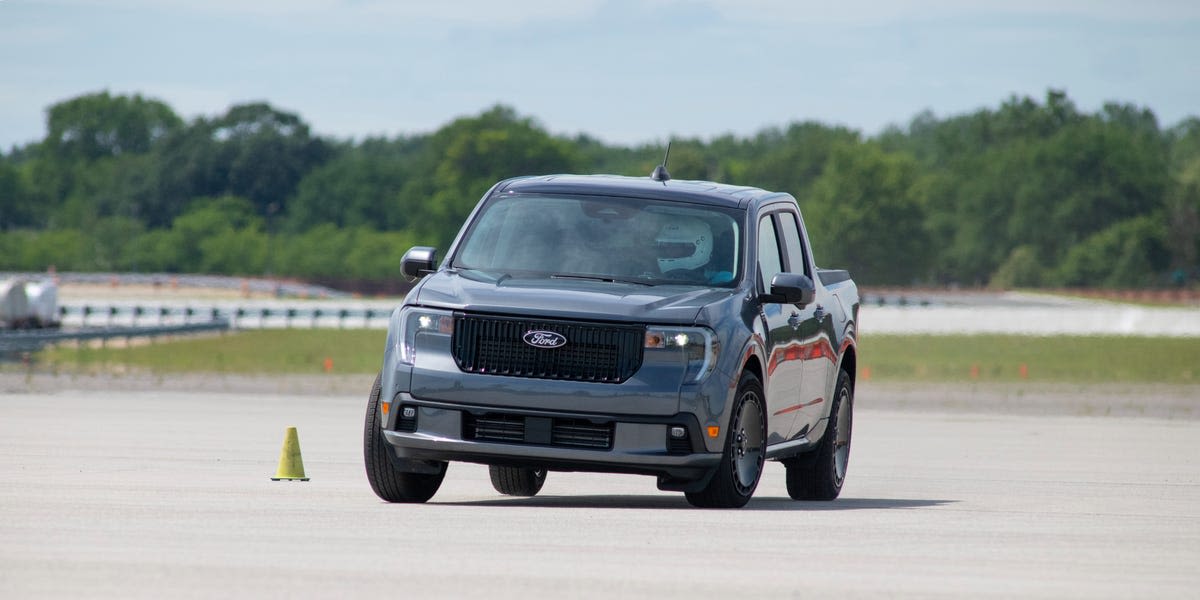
(254, 317)
(32, 341)
(280, 288)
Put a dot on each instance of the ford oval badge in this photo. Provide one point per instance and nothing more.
(544, 339)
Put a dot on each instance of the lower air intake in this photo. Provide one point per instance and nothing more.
(539, 431)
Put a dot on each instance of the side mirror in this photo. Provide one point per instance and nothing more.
(418, 261)
(791, 288)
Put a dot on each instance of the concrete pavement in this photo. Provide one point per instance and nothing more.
(126, 494)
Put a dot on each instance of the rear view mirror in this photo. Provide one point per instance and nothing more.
(792, 288)
(418, 261)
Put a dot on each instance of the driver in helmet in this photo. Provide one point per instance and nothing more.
(684, 247)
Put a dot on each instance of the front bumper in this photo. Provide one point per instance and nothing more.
(440, 431)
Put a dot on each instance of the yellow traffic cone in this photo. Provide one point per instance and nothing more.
(291, 466)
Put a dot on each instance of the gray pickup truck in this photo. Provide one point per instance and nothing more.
(671, 328)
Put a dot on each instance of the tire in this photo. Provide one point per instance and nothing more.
(517, 481)
(388, 482)
(819, 475)
(741, 465)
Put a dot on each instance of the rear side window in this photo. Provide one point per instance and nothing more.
(770, 262)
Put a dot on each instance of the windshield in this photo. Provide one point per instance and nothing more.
(617, 239)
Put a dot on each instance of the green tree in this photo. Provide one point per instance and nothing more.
(463, 159)
(155, 251)
(318, 252)
(90, 154)
(208, 219)
(361, 186)
(791, 160)
(253, 151)
(865, 215)
(1126, 255)
(100, 125)
(240, 251)
(110, 237)
(1183, 200)
(1022, 269)
(376, 254)
(18, 205)
(1028, 192)
(1183, 224)
(1088, 176)
(64, 250)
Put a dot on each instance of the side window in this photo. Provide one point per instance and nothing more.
(795, 248)
(769, 261)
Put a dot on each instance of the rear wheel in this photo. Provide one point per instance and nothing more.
(388, 482)
(745, 450)
(517, 481)
(819, 474)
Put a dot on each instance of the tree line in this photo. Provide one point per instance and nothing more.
(1033, 192)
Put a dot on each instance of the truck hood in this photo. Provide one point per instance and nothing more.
(476, 291)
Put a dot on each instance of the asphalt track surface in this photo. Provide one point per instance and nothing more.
(166, 494)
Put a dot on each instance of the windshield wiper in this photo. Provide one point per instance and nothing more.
(604, 278)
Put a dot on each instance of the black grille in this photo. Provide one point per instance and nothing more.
(495, 428)
(582, 434)
(574, 433)
(593, 352)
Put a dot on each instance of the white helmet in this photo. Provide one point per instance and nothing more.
(685, 243)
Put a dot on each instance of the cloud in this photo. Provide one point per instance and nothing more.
(16, 36)
(337, 12)
(866, 12)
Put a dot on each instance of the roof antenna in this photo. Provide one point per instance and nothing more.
(660, 172)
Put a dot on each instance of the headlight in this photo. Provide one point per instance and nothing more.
(421, 321)
(699, 346)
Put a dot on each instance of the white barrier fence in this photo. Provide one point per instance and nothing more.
(248, 315)
(1039, 317)
(1033, 320)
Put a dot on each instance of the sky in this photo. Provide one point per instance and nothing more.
(622, 71)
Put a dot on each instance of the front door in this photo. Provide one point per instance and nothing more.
(784, 368)
(813, 332)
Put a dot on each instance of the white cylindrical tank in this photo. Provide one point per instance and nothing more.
(14, 305)
(43, 302)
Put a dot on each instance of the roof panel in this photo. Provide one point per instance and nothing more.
(704, 192)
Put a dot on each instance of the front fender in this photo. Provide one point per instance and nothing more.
(395, 376)
(720, 390)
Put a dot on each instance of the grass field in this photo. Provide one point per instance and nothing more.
(1008, 358)
(266, 351)
(882, 357)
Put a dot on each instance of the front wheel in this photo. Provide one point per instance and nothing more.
(819, 475)
(388, 482)
(745, 451)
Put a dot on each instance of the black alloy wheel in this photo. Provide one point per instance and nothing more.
(745, 452)
(819, 475)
